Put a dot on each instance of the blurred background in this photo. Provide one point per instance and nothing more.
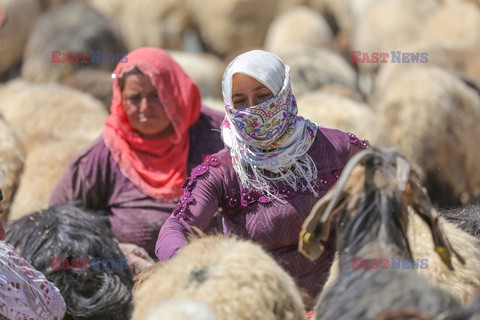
(428, 110)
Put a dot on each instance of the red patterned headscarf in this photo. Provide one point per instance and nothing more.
(157, 166)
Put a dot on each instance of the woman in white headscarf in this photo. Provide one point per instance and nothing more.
(275, 166)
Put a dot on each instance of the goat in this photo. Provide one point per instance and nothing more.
(374, 194)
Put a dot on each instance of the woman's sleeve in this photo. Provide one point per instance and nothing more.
(24, 291)
(197, 206)
(84, 183)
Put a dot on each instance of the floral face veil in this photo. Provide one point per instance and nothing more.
(269, 138)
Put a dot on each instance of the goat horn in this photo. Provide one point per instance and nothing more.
(317, 225)
(424, 208)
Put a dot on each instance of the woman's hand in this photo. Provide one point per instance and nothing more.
(137, 258)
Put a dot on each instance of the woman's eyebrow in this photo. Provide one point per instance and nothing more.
(256, 89)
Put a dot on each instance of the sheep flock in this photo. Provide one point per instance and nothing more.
(402, 74)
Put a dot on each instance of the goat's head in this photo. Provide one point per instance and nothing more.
(374, 172)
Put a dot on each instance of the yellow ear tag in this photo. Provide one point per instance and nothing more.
(444, 254)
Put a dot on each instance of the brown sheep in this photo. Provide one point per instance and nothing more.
(432, 117)
(89, 32)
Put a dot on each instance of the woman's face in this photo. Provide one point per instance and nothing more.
(143, 107)
(248, 92)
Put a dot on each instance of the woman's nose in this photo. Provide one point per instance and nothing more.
(144, 103)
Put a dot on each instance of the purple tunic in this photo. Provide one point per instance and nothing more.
(214, 186)
(94, 181)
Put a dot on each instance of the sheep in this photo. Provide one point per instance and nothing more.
(12, 158)
(96, 82)
(67, 29)
(432, 118)
(285, 31)
(313, 68)
(454, 25)
(335, 111)
(399, 23)
(466, 218)
(162, 25)
(235, 278)
(205, 69)
(182, 309)
(76, 251)
(44, 165)
(374, 194)
(17, 18)
(50, 111)
(228, 27)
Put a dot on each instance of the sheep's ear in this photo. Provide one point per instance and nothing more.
(423, 207)
(317, 225)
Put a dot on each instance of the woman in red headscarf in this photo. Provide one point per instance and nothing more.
(156, 133)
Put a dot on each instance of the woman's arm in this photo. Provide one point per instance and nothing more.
(85, 182)
(198, 204)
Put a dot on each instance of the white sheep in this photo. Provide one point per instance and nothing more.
(182, 309)
(313, 68)
(298, 27)
(235, 278)
(50, 110)
(44, 165)
(228, 27)
(387, 26)
(339, 112)
(12, 158)
(454, 25)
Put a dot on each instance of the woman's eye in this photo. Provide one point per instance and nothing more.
(134, 99)
(239, 103)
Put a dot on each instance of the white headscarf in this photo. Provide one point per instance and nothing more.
(269, 136)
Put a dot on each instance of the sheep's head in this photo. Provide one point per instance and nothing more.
(373, 170)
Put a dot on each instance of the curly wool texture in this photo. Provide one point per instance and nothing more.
(235, 278)
(12, 158)
(69, 233)
(465, 279)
